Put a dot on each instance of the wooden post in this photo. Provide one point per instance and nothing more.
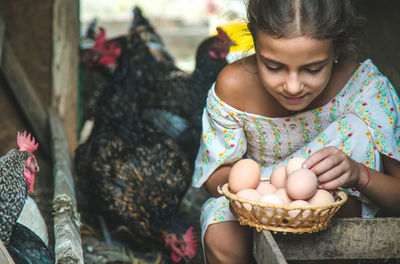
(265, 250)
(2, 31)
(5, 257)
(346, 238)
(68, 244)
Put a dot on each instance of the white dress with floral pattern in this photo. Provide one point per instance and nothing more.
(361, 120)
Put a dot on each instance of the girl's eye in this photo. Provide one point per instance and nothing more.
(273, 69)
(313, 71)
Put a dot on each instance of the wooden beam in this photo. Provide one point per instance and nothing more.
(265, 250)
(25, 95)
(2, 31)
(68, 243)
(346, 238)
(5, 257)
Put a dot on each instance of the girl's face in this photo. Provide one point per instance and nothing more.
(294, 70)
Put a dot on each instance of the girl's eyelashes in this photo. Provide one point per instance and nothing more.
(314, 71)
(273, 69)
(278, 68)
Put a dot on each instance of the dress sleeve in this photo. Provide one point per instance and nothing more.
(222, 140)
(378, 106)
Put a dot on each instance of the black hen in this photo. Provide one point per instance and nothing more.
(133, 174)
(143, 27)
(173, 99)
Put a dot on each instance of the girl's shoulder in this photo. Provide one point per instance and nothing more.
(236, 81)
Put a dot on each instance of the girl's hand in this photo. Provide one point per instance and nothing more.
(334, 168)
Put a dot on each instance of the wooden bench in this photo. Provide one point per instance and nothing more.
(346, 238)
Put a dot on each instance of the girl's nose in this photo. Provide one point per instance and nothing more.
(293, 86)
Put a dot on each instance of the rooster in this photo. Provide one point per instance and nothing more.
(17, 178)
(133, 174)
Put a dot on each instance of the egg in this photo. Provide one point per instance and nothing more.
(293, 213)
(272, 198)
(321, 197)
(301, 184)
(250, 194)
(278, 177)
(294, 164)
(265, 187)
(281, 192)
(245, 174)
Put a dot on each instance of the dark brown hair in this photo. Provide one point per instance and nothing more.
(322, 19)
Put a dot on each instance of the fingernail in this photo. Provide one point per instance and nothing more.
(320, 186)
(304, 166)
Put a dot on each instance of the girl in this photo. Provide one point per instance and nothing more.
(300, 94)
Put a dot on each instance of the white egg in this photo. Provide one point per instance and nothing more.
(272, 198)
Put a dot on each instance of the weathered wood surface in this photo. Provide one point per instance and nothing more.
(346, 238)
(68, 244)
(265, 250)
(65, 66)
(23, 91)
(2, 32)
(5, 257)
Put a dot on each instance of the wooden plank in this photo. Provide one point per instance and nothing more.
(265, 250)
(2, 31)
(346, 238)
(25, 95)
(68, 243)
(5, 257)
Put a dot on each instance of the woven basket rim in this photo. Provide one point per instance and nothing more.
(342, 195)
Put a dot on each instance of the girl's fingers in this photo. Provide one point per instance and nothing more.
(333, 184)
(333, 172)
(326, 164)
(318, 156)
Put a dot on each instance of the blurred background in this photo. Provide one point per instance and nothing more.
(181, 24)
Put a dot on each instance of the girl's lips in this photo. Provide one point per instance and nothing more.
(294, 100)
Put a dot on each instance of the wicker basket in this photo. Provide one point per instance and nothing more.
(283, 218)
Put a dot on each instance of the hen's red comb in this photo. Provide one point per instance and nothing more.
(191, 243)
(26, 143)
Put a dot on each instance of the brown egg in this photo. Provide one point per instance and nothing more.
(278, 177)
(293, 213)
(321, 197)
(281, 192)
(265, 187)
(301, 184)
(245, 174)
(250, 194)
(294, 164)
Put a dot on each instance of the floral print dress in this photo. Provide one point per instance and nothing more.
(361, 120)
